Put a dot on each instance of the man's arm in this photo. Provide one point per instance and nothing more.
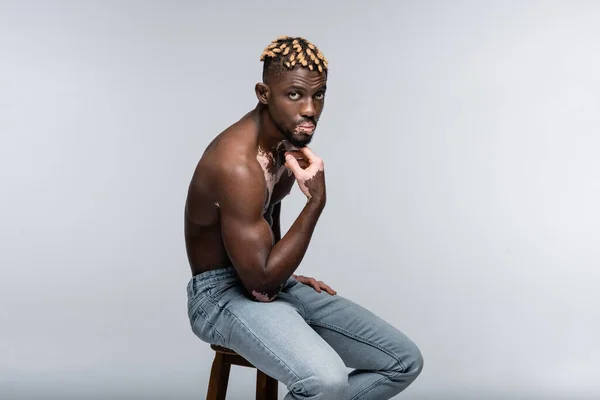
(276, 224)
(262, 263)
(276, 227)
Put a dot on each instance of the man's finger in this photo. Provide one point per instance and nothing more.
(292, 164)
(315, 284)
(300, 158)
(327, 288)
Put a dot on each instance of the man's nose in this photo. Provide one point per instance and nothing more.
(308, 109)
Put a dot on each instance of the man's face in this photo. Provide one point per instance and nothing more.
(295, 103)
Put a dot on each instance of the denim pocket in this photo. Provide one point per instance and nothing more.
(204, 315)
(205, 330)
(195, 306)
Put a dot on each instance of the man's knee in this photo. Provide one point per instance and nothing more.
(416, 362)
(323, 382)
(409, 367)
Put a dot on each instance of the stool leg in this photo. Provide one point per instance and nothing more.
(266, 387)
(219, 377)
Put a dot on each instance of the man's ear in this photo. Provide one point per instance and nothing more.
(262, 93)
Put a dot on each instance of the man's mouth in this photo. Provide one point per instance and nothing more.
(307, 128)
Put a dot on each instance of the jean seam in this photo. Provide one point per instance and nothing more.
(200, 310)
(372, 386)
(218, 279)
(210, 324)
(215, 330)
(211, 283)
(302, 304)
(201, 283)
(366, 341)
(194, 300)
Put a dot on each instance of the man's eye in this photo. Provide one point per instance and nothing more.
(320, 96)
(294, 96)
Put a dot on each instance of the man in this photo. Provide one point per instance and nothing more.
(244, 293)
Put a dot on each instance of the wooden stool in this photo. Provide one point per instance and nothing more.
(266, 387)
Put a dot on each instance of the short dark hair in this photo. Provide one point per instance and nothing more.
(286, 52)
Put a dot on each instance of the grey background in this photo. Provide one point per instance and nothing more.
(461, 148)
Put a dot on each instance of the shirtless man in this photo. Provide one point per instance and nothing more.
(244, 293)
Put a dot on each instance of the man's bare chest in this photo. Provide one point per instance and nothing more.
(278, 179)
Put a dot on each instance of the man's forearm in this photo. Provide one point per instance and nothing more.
(276, 227)
(288, 252)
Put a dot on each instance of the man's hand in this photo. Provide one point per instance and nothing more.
(311, 179)
(317, 285)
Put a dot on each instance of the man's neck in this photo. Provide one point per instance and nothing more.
(270, 138)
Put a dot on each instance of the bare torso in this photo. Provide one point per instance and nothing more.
(203, 237)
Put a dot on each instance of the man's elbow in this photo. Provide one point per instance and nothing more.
(265, 295)
(261, 286)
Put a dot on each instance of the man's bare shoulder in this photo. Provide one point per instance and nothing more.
(231, 157)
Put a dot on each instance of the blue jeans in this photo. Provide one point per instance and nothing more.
(305, 339)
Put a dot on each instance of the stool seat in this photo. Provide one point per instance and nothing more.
(266, 387)
(222, 349)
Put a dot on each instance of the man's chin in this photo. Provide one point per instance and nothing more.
(300, 140)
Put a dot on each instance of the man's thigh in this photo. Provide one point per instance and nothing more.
(362, 339)
(276, 339)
